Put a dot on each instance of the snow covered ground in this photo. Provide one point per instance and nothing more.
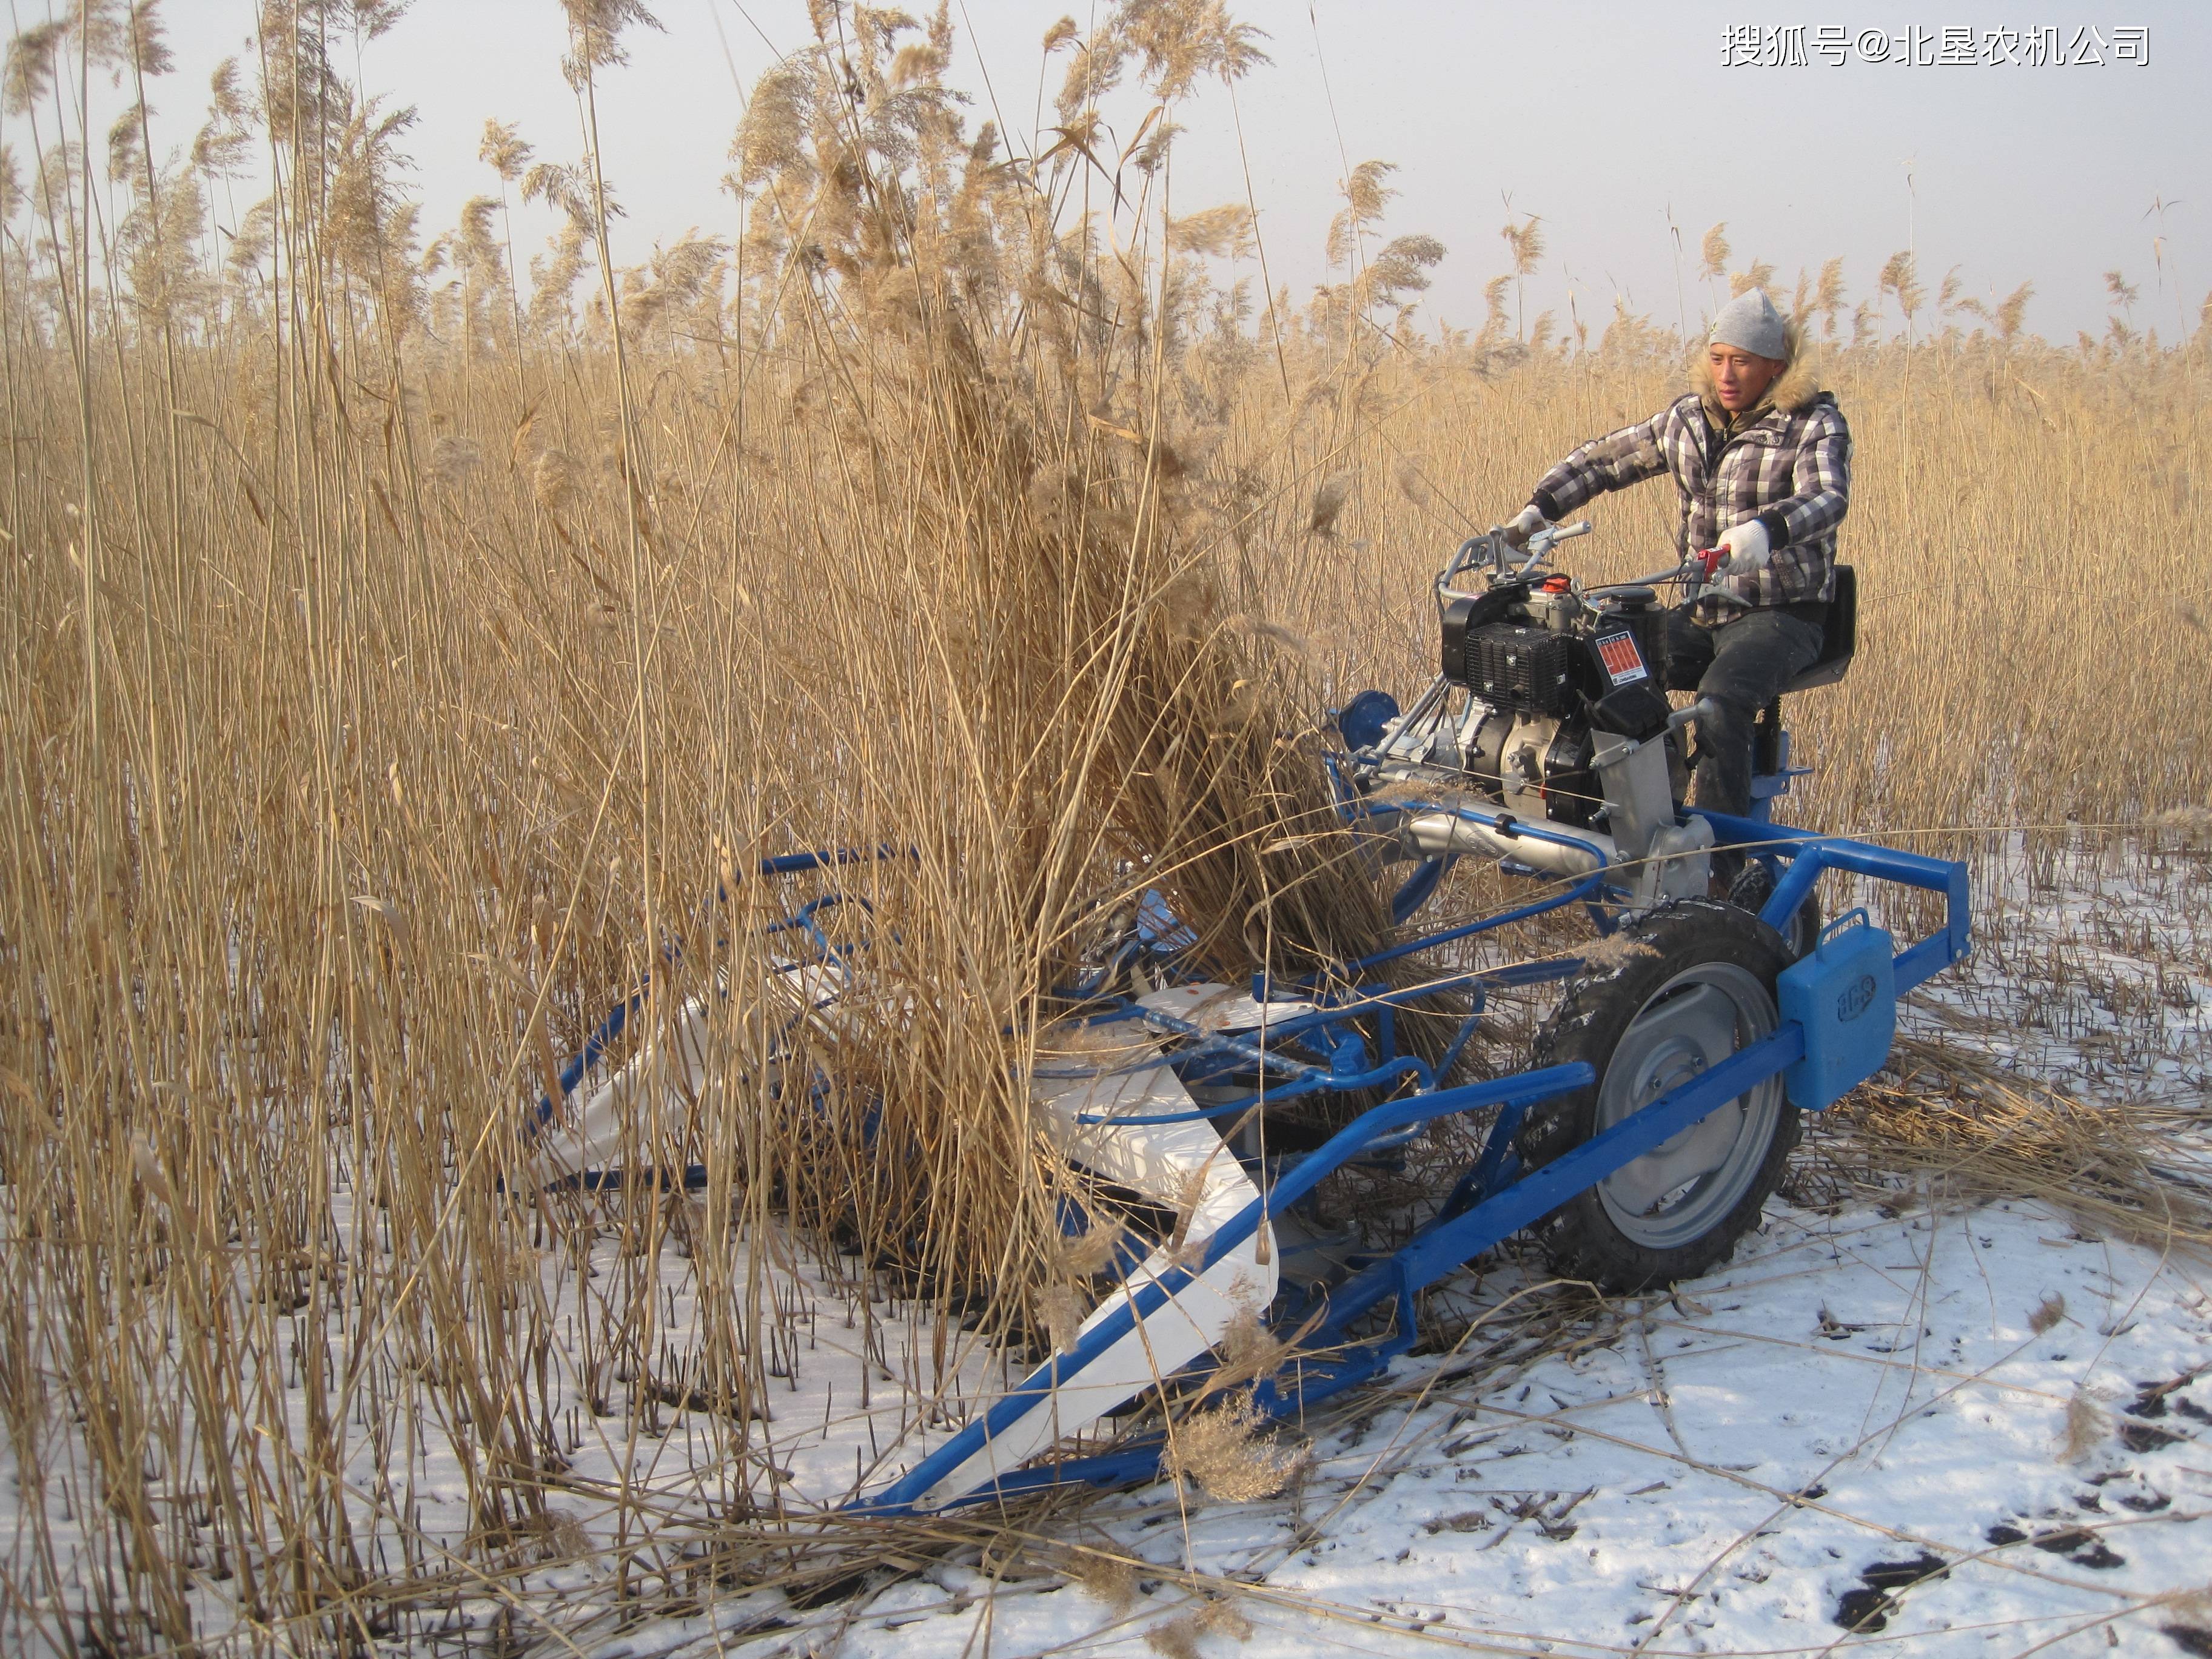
(1895, 1421)
(1905, 1426)
(1961, 1432)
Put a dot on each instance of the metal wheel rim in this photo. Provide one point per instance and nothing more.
(1672, 1037)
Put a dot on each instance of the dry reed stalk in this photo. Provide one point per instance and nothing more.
(1987, 1135)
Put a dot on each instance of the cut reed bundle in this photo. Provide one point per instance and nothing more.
(1981, 1133)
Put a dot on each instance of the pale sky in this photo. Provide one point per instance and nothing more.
(1603, 118)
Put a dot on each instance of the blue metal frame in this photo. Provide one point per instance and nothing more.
(1343, 1038)
(1494, 1199)
(610, 1029)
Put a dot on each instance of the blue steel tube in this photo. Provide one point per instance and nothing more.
(1426, 1259)
(1809, 854)
(1541, 1191)
(1033, 1392)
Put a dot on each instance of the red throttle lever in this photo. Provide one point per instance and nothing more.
(1710, 558)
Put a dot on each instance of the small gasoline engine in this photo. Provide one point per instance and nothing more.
(1552, 670)
(1549, 706)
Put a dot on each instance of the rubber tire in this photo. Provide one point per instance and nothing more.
(1580, 1237)
(1754, 886)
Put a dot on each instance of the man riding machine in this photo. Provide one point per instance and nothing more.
(1761, 460)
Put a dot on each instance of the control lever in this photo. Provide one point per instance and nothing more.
(1702, 709)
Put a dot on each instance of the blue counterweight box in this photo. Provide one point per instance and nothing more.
(1844, 994)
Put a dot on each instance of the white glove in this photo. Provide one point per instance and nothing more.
(1525, 523)
(1746, 545)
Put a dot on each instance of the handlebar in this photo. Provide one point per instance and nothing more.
(1539, 546)
(1494, 548)
(1551, 536)
(1698, 567)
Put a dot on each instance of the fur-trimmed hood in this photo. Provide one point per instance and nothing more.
(1797, 387)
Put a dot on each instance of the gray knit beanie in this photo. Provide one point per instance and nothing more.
(1751, 321)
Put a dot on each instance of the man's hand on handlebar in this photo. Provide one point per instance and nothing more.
(1747, 548)
(1525, 523)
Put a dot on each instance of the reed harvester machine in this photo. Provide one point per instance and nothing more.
(1660, 1103)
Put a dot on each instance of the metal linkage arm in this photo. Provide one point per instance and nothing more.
(1809, 854)
(1034, 1391)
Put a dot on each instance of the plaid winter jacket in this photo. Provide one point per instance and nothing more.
(1788, 467)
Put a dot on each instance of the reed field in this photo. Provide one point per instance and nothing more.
(413, 641)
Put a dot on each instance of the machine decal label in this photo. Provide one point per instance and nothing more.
(1857, 998)
(1622, 659)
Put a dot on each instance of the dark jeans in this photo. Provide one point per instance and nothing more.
(1742, 666)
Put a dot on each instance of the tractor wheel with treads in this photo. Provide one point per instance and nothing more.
(1670, 995)
(1754, 886)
